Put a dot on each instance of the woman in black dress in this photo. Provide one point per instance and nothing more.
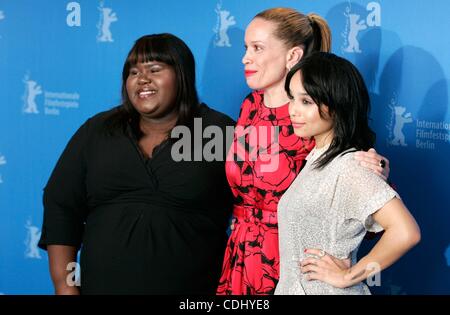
(145, 223)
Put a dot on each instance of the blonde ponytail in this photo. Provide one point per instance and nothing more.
(297, 29)
(321, 33)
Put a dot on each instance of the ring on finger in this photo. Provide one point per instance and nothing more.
(321, 253)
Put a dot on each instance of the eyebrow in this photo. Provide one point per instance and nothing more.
(255, 42)
(153, 63)
(149, 65)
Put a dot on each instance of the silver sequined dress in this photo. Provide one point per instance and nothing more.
(329, 209)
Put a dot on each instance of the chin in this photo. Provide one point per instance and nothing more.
(252, 85)
(302, 134)
(147, 108)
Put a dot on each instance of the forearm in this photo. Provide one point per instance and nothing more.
(60, 256)
(392, 245)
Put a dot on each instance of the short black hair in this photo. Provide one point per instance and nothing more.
(336, 83)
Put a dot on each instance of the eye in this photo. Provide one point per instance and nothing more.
(258, 48)
(133, 71)
(306, 101)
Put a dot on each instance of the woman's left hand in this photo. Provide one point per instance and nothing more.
(373, 161)
(326, 268)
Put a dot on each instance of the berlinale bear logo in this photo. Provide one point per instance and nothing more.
(224, 22)
(32, 240)
(355, 25)
(400, 119)
(107, 16)
(32, 89)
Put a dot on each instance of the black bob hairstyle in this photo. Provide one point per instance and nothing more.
(171, 50)
(335, 82)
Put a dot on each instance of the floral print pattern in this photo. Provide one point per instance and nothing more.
(265, 158)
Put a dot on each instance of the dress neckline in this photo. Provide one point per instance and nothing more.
(274, 108)
(261, 93)
(317, 152)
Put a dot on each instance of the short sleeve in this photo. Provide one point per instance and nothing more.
(65, 197)
(362, 193)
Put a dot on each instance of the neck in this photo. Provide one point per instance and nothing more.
(159, 125)
(324, 139)
(275, 96)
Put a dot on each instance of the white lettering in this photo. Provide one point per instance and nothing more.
(374, 17)
(74, 17)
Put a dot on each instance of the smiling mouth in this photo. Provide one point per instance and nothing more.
(249, 72)
(297, 125)
(146, 94)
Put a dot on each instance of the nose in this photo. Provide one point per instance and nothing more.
(246, 59)
(293, 110)
(144, 78)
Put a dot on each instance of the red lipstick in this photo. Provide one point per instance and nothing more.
(250, 72)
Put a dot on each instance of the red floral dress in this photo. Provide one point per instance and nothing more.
(261, 164)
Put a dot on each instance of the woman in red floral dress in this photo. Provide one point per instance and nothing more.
(266, 155)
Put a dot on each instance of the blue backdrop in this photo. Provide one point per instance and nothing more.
(61, 62)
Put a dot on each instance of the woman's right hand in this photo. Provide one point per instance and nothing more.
(326, 268)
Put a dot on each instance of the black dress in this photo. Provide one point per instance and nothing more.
(145, 226)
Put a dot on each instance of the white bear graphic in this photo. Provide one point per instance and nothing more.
(32, 89)
(32, 240)
(355, 28)
(400, 121)
(225, 22)
(106, 19)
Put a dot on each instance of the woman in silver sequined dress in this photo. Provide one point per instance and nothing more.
(330, 206)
